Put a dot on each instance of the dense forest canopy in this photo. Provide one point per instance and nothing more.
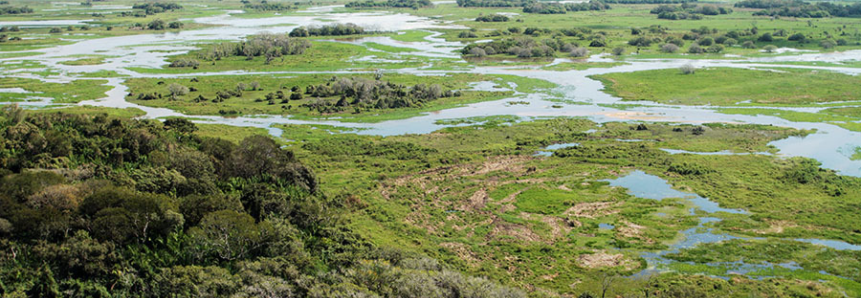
(97, 206)
(267, 6)
(801, 9)
(560, 8)
(414, 4)
(327, 30)
(493, 3)
(4, 10)
(268, 45)
(359, 93)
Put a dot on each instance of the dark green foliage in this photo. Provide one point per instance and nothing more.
(689, 169)
(151, 8)
(493, 3)
(414, 4)
(328, 30)
(557, 8)
(269, 45)
(801, 9)
(366, 93)
(4, 10)
(492, 18)
(151, 204)
(688, 11)
(266, 6)
(156, 25)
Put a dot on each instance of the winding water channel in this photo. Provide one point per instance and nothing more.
(828, 144)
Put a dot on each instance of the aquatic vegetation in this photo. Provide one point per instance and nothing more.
(432, 150)
(72, 92)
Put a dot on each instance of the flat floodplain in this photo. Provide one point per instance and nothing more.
(405, 148)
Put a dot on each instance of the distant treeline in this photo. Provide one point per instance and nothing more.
(15, 10)
(414, 4)
(687, 11)
(647, 1)
(328, 30)
(559, 8)
(269, 45)
(801, 9)
(492, 18)
(493, 3)
(532, 6)
(156, 7)
(266, 6)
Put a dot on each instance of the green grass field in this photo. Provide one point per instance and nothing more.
(730, 86)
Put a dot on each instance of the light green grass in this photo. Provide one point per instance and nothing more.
(73, 92)
(731, 86)
(92, 110)
(412, 36)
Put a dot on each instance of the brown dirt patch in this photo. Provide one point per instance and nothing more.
(516, 231)
(632, 230)
(777, 227)
(601, 259)
(476, 202)
(592, 210)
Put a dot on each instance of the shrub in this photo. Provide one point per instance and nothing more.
(184, 62)
(695, 49)
(669, 48)
(579, 52)
(177, 90)
(687, 69)
(715, 49)
(478, 52)
(797, 37)
(748, 45)
(155, 25)
(619, 51)
(770, 49)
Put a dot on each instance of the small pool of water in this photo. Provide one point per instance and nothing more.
(545, 152)
(653, 187)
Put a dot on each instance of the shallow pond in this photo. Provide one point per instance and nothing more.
(643, 185)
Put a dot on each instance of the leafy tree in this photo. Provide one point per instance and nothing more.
(228, 235)
(177, 90)
(196, 281)
(156, 24)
